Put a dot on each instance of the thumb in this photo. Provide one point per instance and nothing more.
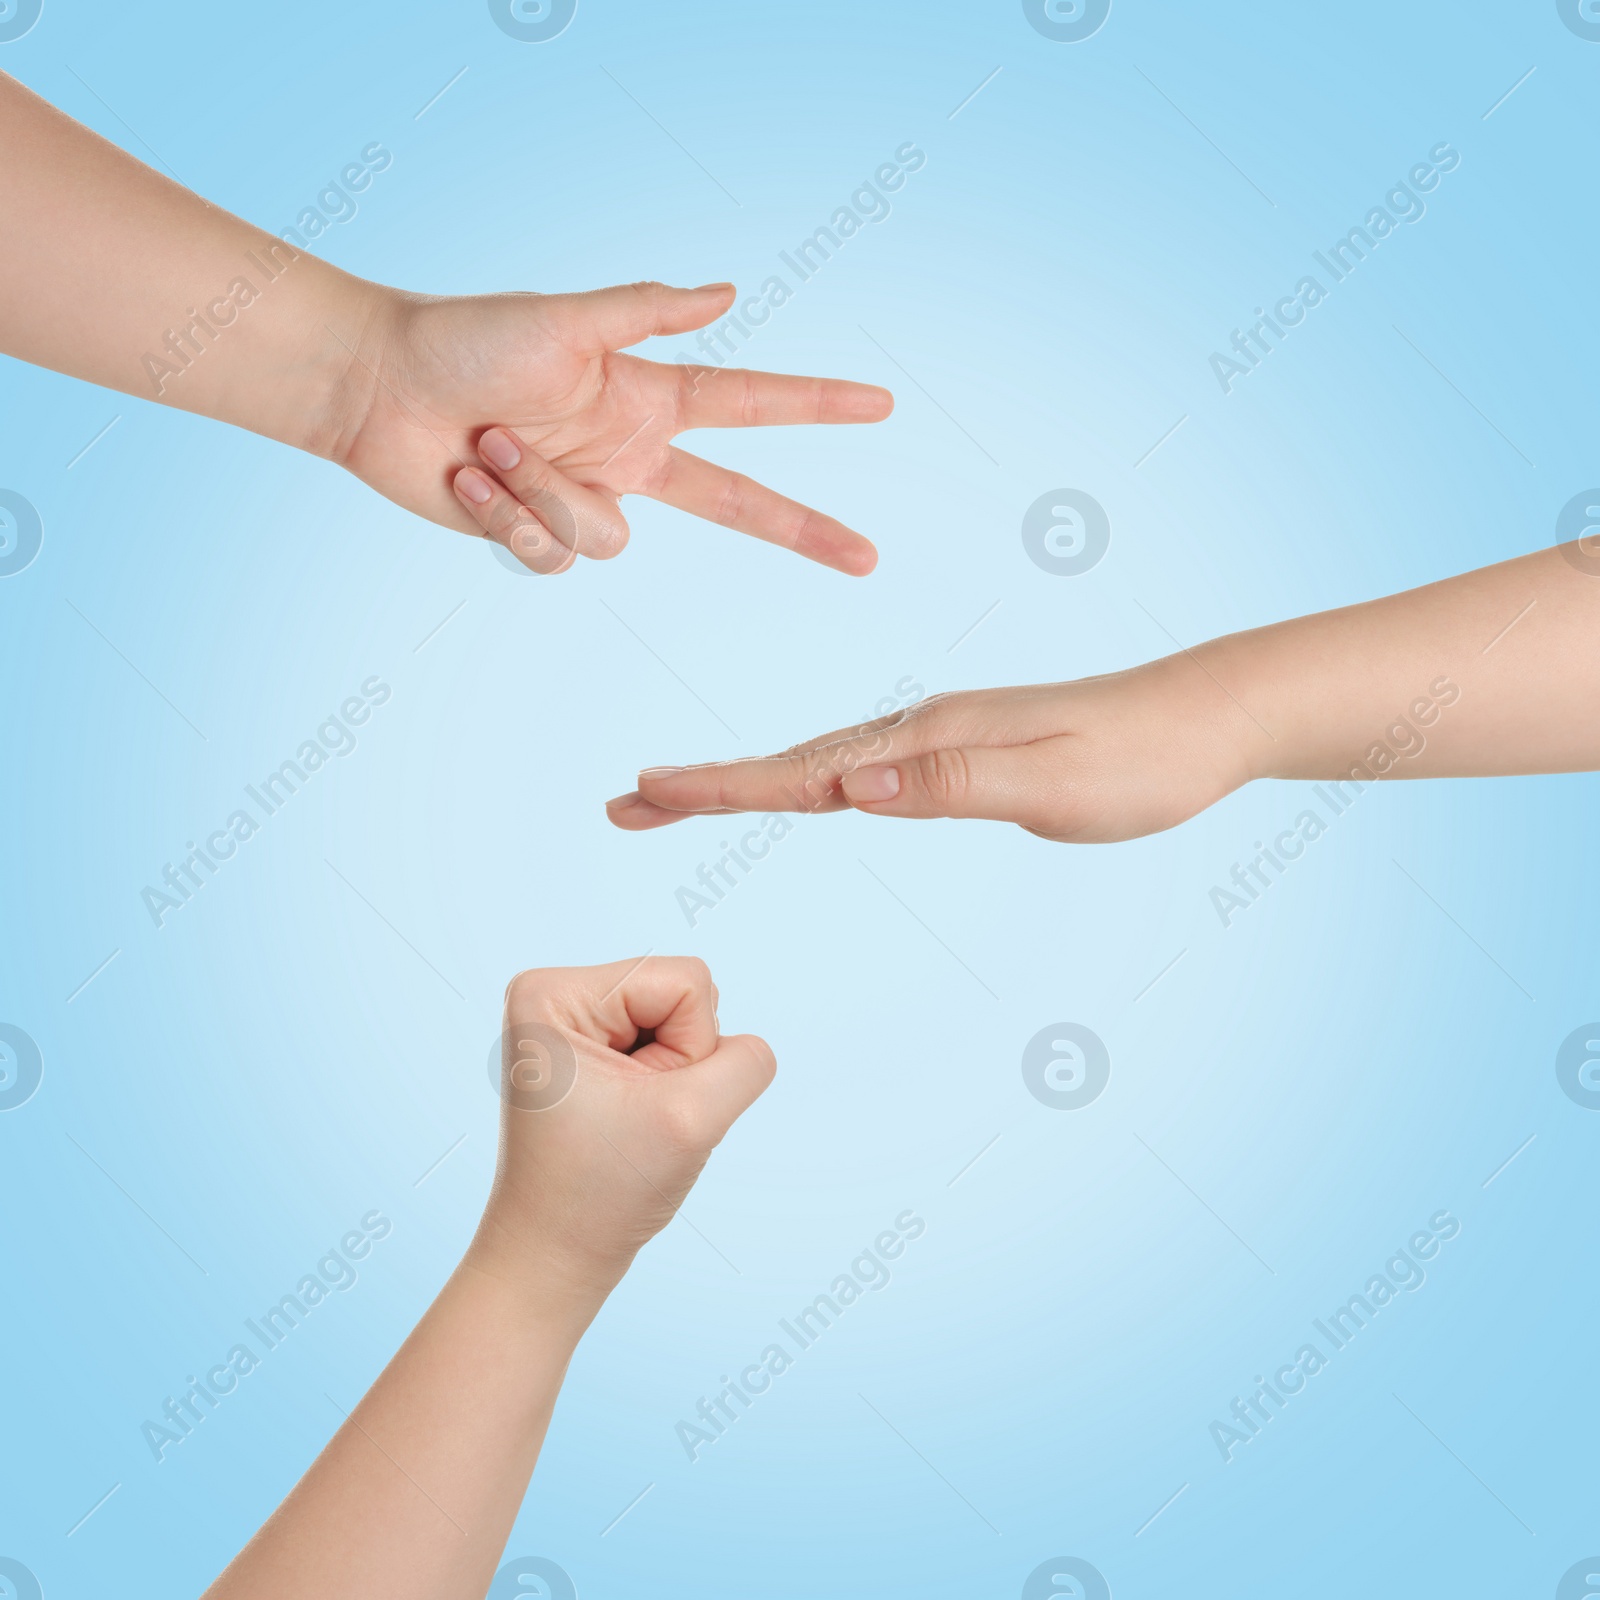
(611, 319)
(1006, 784)
(716, 1092)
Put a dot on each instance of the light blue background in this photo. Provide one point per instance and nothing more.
(1293, 1099)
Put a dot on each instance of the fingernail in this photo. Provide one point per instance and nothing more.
(871, 783)
(621, 802)
(658, 772)
(705, 288)
(499, 449)
(474, 486)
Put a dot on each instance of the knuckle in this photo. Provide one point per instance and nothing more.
(650, 291)
(801, 529)
(693, 971)
(946, 776)
(730, 503)
(680, 1123)
(504, 515)
(531, 475)
(749, 401)
(527, 990)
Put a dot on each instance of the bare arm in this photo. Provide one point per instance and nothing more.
(111, 272)
(1496, 671)
(1520, 640)
(415, 1495)
(114, 273)
(601, 1139)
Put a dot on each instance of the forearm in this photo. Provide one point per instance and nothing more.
(616, 1086)
(113, 273)
(414, 1497)
(1493, 672)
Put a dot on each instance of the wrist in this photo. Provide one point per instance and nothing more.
(359, 326)
(563, 1286)
(1256, 726)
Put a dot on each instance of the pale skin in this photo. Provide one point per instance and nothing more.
(414, 1496)
(510, 416)
(1135, 752)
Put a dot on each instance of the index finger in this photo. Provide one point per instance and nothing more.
(738, 502)
(806, 777)
(809, 776)
(670, 997)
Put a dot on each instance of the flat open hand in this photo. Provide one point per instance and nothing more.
(514, 416)
(1087, 762)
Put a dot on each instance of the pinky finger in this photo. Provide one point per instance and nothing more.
(529, 536)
